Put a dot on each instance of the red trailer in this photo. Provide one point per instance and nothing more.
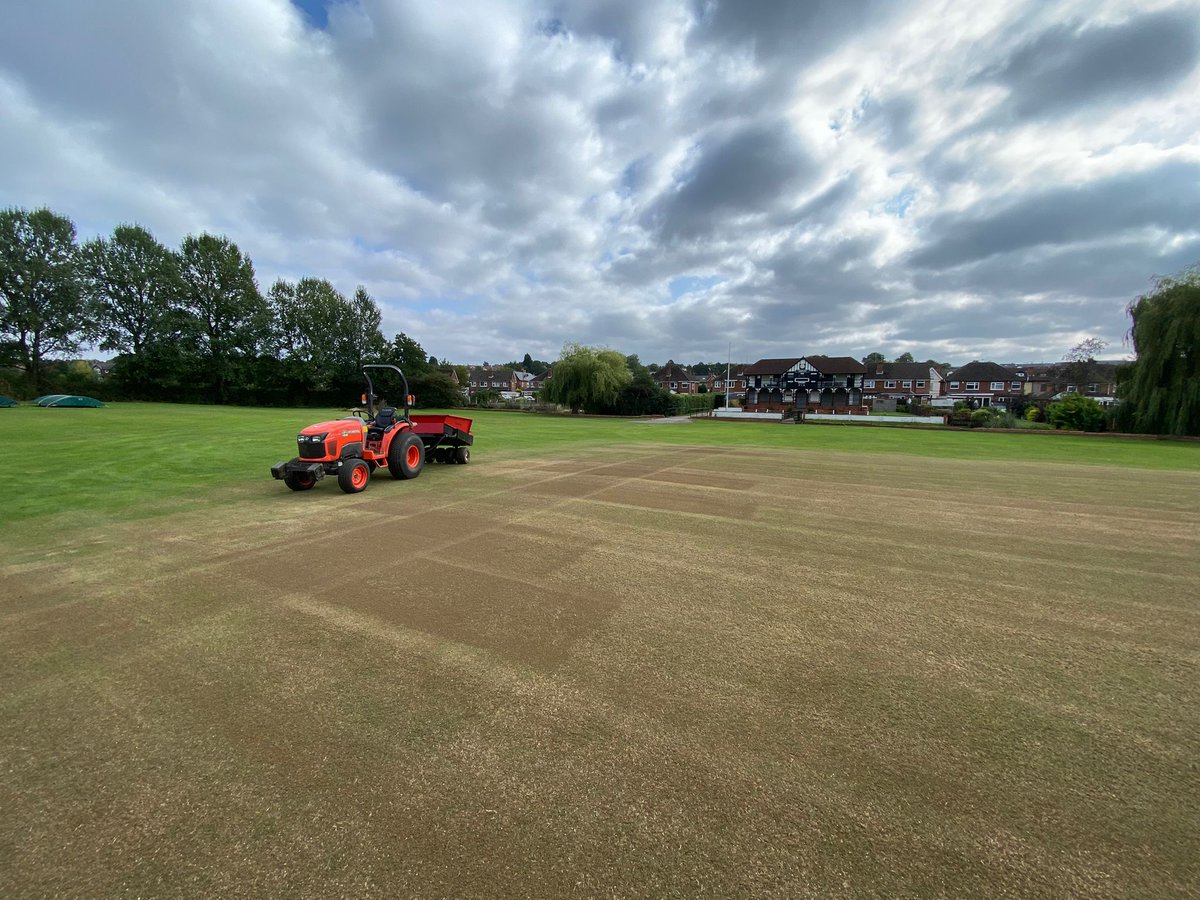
(353, 448)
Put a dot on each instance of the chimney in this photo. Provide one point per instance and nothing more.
(878, 368)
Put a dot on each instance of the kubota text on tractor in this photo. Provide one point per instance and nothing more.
(353, 448)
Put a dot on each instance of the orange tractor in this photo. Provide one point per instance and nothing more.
(353, 448)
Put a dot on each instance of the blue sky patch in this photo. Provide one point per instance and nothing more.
(316, 12)
(690, 284)
(899, 204)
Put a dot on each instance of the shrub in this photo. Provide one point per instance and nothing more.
(1077, 413)
(688, 404)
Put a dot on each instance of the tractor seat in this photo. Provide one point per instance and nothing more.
(384, 420)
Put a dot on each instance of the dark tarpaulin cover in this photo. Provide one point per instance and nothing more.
(74, 400)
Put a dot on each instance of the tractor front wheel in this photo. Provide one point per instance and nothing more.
(353, 475)
(406, 456)
(299, 481)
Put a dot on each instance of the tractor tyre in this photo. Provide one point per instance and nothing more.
(406, 456)
(442, 454)
(462, 455)
(353, 475)
(299, 481)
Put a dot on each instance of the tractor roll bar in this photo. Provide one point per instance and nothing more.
(371, 387)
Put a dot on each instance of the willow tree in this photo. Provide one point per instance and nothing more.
(588, 378)
(1160, 392)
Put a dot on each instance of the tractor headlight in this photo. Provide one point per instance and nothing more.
(312, 438)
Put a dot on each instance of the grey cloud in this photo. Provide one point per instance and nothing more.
(826, 205)
(1115, 269)
(633, 27)
(1064, 67)
(785, 27)
(1166, 197)
(748, 172)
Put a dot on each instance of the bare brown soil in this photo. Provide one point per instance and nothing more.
(679, 672)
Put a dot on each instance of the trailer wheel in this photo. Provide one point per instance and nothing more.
(462, 455)
(406, 456)
(353, 475)
(299, 481)
(442, 454)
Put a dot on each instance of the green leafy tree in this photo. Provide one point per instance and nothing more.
(324, 336)
(1076, 412)
(132, 282)
(369, 344)
(905, 358)
(588, 378)
(231, 317)
(1160, 393)
(435, 389)
(527, 364)
(872, 358)
(409, 356)
(42, 305)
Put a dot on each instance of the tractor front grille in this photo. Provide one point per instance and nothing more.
(312, 451)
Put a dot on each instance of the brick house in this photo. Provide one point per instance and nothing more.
(676, 379)
(538, 381)
(1050, 381)
(523, 382)
(986, 384)
(737, 382)
(488, 378)
(902, 381)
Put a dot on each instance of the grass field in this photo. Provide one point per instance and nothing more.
(607, 658)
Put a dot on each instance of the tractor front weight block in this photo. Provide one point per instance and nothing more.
(298, 466)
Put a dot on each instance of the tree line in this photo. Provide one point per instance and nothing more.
(187, 324)
(192, 325)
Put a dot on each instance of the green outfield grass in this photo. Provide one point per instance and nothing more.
(608, 658)
(134, 460)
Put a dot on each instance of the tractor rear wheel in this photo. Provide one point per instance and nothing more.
(353, 475)
(299, 481)
(406, 456)
(462, 455)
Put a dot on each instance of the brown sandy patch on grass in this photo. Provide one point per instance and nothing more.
(827, 676)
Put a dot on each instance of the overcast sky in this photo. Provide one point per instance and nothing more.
(958, 180)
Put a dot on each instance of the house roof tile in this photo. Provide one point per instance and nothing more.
(771, 366)
(985, 371)
(836, 365)
(896, 370)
